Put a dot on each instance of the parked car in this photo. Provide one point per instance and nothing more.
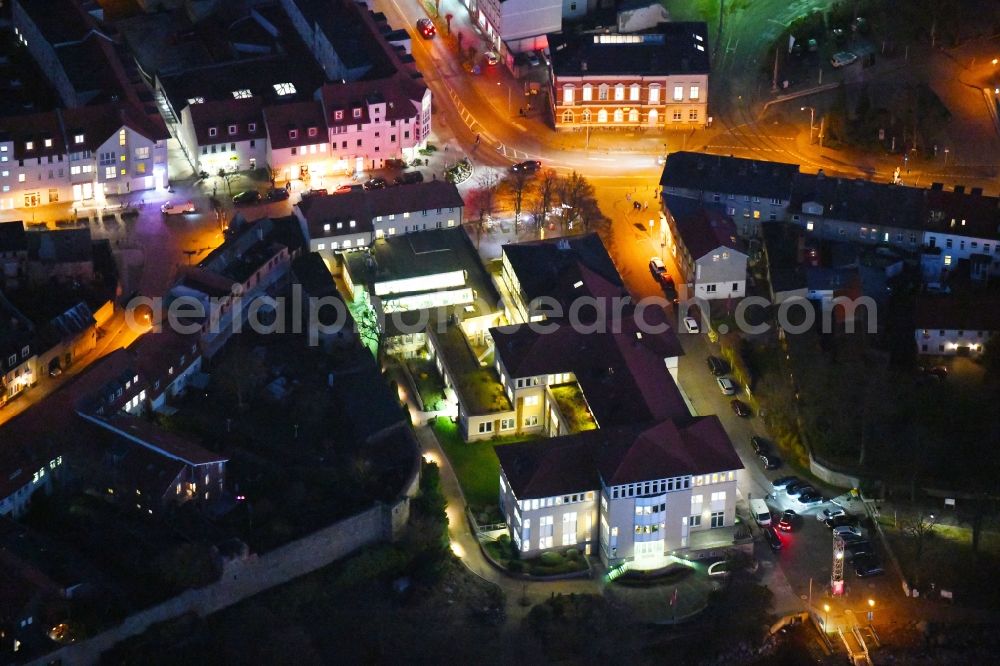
(784, 481)
(939, 371)
(691, 324)
(491, 58)
(772, 538)
(657, 268)
(770, 461)
(855, 549)
(277, 194)
(811, 499)
(726, 385)
(840, 521)
(741, 408)
(376, 183)
(246, 197)
(759, 445)
(827, 514)
(308, 194)
(794, 486)
(529, 166)
(409, 178)
(847, 529)
(717, 366)
(177, 208)
(867, 565)
(344, 189)
(842, 59)
(426, 28)
(787, 521)
(851, 537)
(800, 489)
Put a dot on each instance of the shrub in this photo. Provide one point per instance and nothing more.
(516, 566)
(551, 559)
(573, 553)
(504, 538)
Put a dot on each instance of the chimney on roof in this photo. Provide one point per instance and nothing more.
(976, 191)
(583, 65)
(820, 174)
(960, 189)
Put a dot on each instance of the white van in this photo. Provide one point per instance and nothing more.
(760, 512)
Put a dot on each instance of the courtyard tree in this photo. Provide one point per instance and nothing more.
(484, 200)
(240, 373)
(544, 195)
(515, 186)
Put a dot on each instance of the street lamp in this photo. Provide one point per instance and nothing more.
(812, 121)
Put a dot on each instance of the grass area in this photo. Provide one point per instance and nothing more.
(430, 385)
(573, 407)
(476, 466)
(551, 563)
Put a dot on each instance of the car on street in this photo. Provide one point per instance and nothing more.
(491, 58)
(800, 489)
(811, 499)
(717, 366)
(528, 166)
(726, 385)
(277, 194)
(843, 530)
(344, 189)
(840, 521)
(793, 487)
(867, 565)
(787, 521)
(657, 268)
(856, 549)
(376, 183)
(772, 538)
(533, 59)
(246, 197)
(691, 324)
(426, 28)
(740, 408)
(409, 178)
(842, 59)
(827, 514)
(177, 208)
(759, 445)
(770, 461)
(783, 482)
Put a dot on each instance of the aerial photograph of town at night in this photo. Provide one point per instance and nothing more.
(483, 332)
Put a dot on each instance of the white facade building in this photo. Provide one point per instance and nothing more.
(224, 135)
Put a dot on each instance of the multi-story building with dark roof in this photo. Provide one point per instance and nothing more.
(703, 242)
(655, 80)
(634, 493)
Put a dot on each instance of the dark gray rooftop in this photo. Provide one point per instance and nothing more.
(670, 48)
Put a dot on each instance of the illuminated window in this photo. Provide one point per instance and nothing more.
(568, 94)
(338, 115)
(29, 145)
(196, 100)
(633, 94)
(602, 92)
(357, 113)
(109, 173)
(619, 116)
(588, 92)
(654, 94)
(212, 131)
(695, 92)
(48, 143)
(678, 93)
(619, 93)
(602, 116)
(284, 88)
(121, 137)
(567, 116)
(633, 115)
(242, 93)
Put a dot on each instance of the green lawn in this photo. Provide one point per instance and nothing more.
(475, 465)
(429, 382)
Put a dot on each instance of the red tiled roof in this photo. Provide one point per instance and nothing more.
(224, 114)
(401, 93)
(300, 117)
(702, 229)
(161, 441)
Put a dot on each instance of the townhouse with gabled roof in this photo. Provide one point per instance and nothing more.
(704, 242)
(224, 135)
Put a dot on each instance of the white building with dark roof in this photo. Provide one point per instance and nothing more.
(224, 134)
(298, 143)
(656, 79)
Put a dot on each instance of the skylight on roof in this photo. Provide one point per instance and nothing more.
(242, 93)
(196, 100)
(284, 88)
(578, 284)
(699, 47)
(697, 36)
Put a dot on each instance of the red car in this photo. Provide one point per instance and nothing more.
(426, 28)
(787, 519)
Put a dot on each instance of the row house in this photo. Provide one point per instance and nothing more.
(298, 142)
(18, 357)
(355, 220)
(953, 326)
(224, 135)
(655, 80)
(635, 494)
(704, 243)
(80, 155)
(964, 226)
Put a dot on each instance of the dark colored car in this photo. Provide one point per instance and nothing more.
(939, 371)
(811, 498)
(840, 521)
(795, 485)
(277, 194)
(849, 538)
(770, 461)
(759, 445)
(784, 482)
(308, 194)
(773, 540)
(867, 565)
(426, 28)
(717, 366)
(800, 489)
(787, 521)
(858, 548)
(246, 197)
(409, 178)
(741, 408)
(530, 166)
(375, 184)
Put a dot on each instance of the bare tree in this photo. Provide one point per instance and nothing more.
(484, 198)
(227, 177)
(919, 529)
(515, 186)
(577, 195)
(545, 195)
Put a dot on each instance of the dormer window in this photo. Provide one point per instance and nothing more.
(212, 131)
(29, 145)
(242, 93)
(338, 115)
(357, 113)
(251, 127)
(284, 88)
(293, 134)
(313, 131)
(232, 129)
(196, 100)
(77, 138)
(48, 143)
